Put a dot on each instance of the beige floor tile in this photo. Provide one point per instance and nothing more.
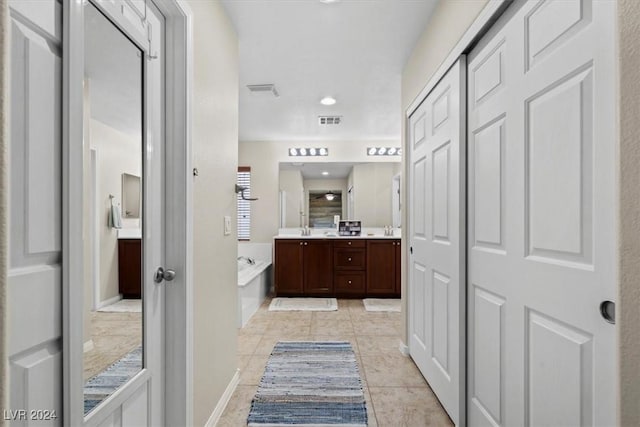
(255, 327)
(289, 328)
(371, 416)
(332, 327)
(287, 316)
(407, 407)
(243, 360)
(253, 371)
(391, 371)
(247, 344)
(383, 344)
(374, 326)
(331, 315)
(237, 410)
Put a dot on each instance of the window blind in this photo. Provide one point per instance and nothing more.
(244, 206)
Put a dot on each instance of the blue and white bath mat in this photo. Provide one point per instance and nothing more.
(103, 385)
(310, 383)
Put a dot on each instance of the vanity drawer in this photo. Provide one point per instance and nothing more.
(349, 283)
(350, 243)
(349, 259)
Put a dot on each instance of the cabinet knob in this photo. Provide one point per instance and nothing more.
(349, 259)
(349, 242)
(300, 243)
(305, 243)
(349, 281)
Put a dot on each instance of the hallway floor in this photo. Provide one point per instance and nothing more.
(395, 391)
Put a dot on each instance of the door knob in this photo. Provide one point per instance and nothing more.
(608, 311)
(162, 274)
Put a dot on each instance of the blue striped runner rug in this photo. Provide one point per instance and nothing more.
(310, 384)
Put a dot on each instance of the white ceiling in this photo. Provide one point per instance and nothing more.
(113, 66)
(314, 170)
(353, 50)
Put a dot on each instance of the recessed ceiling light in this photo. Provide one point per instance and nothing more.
(327, 100)
(325, 173)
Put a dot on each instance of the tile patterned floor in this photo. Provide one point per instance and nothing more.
(396, 393)
(114, 335)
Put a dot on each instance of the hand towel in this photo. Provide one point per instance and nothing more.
(115, 219)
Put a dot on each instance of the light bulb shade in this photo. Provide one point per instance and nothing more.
(384, 151)
(330, 196)
(313, 151)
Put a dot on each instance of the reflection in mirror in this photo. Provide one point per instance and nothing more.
(113, 246)
(366, 192)
(324, 206)
(131, 196)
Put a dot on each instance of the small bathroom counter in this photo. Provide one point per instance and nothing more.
(129, 233)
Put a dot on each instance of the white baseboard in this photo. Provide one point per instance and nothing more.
(109, 301)
(224, 400)
(404, 349)
(88, 346)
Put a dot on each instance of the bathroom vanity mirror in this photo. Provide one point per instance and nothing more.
(368, 192)
(113, 164)
(131, 200)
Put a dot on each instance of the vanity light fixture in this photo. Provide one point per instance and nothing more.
(328, 100)
(384, 151)
(314, 151)
(330, 196)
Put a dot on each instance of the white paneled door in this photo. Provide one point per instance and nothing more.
(541, 217)
(35, 216)
(437, 237)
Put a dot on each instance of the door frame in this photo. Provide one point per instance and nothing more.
(178, 339)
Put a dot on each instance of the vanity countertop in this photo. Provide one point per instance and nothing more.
(323, 236)
(129, 233)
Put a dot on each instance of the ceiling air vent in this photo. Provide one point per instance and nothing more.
(264, 89)
(329, 120)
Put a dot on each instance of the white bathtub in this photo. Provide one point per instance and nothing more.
(254, 281)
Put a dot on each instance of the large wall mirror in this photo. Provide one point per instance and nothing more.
(312, 194)
(113, 112)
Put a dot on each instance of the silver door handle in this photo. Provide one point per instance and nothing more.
(162, 274)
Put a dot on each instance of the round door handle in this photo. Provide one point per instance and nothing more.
(162, 275)
(608, 311)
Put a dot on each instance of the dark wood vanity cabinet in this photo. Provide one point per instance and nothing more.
(318, 258)
(383, 268)
(349, 267)
(289, 272)
(337, 267)
(303, 267)
(130, 268)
